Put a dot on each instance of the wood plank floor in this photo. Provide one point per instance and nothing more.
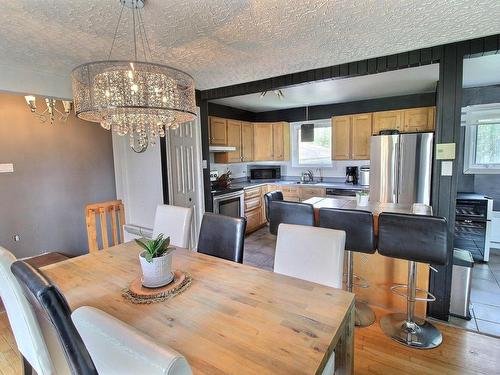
(462, 352)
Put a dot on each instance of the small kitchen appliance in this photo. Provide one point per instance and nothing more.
(364, 175)
(351, 175)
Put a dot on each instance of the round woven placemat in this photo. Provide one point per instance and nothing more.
(136, 293)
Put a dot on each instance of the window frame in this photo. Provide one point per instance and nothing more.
(295, 126)
(470, 165)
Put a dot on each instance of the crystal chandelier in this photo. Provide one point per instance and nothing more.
(135, 98)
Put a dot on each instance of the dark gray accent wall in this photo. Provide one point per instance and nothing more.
(57, 171)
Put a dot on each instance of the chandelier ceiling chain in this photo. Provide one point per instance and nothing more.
(135, 98)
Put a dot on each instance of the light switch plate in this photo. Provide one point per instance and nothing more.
(446, 168)
(445, 151)
(6, 168)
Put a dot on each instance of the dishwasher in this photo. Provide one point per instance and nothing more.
(341, 193)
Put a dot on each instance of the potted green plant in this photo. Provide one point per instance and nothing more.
(156, 261)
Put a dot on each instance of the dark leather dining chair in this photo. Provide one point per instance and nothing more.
(275, 195)
(289, 213)
(222, 236)
(49, 302)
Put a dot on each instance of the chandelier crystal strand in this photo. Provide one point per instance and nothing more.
(135, 98)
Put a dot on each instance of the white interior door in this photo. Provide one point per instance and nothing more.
(185, 175)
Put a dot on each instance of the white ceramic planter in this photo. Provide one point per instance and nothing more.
(158, 273)
(362, 200)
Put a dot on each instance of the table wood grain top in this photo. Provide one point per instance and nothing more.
(233, 319)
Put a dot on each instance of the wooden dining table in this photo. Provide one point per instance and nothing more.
(233, 319)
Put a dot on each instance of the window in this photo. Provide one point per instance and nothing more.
(317, 153)
(482, 147)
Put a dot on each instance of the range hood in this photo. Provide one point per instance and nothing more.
(221, 148)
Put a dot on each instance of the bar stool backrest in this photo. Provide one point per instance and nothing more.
(289, 213)
(357, 224)
(275, 195)
(413, 237)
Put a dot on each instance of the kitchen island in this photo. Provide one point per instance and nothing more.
(379, 271)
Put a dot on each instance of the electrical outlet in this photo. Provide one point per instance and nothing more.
(17, 238)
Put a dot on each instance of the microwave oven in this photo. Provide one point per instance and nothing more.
(263, 173)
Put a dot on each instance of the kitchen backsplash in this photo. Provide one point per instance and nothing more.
(239, 170)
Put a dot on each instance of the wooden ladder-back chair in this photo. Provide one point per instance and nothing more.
(112, 210)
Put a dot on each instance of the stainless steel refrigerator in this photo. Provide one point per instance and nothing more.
(400, 168)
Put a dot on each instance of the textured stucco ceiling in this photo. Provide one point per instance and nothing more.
(223, 42)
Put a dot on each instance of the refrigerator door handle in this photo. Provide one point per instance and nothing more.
(397, 171)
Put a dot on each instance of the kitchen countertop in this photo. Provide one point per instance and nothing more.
(336, 185)
(376, 208)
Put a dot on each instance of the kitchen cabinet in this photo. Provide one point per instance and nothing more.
(418, 119)
(351, 137)
(262, 141)
(254, 208)
(246, 141)
(341, 132)
(411, 120)
(239, 134)
(306, 192)
(387, 120)
(281, 141)
(290, 193)
(218, 131)
(361, 132)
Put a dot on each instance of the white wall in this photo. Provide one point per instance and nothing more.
(138, 181)
(36, 82)
(337, 169)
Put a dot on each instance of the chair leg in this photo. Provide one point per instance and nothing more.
(27, 369)
(408, 329)
(364, 315)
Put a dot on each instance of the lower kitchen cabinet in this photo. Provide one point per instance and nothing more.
(309, 192)
(254, 198)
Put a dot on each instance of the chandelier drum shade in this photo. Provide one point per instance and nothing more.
(135, 98)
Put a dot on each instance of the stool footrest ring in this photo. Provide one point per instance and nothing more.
(431, 298)
(364, 284)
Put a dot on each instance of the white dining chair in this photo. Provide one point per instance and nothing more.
(117, 348)
(23, 321)
(310, 253)
(173, 222)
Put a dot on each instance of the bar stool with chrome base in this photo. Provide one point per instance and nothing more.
(360, 237)
(415, 238)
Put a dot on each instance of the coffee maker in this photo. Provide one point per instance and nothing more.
(351, 175)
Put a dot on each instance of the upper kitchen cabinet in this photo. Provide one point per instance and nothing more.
(341, 131)
(234, 140)
(351, 137)
(271, 141)
(405, 120)
(239, 135)
(218, 131)
(419, 119)
(361, 132)
(387, 120)
(262, 141)
(281, 141)
(246, 141)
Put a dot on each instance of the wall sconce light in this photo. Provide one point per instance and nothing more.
(51, 111)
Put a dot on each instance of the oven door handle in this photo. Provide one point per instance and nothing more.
(228, 196)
